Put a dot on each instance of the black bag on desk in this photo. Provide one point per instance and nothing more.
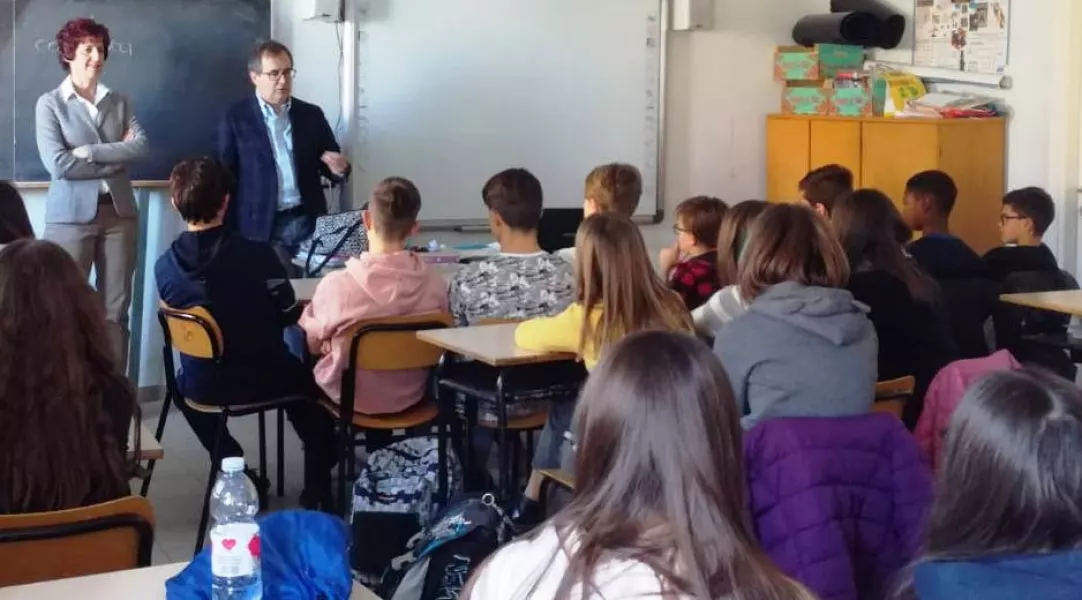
(336, 237)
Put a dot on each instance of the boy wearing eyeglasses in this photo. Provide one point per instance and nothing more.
(1025, 217)
(690, 265)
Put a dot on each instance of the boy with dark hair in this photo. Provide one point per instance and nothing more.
(691, 264)
(822, 186)
(615, 187)
(926, 207)
(244, 287)
(523, 281)
(387, 280)
(1025, 217)
(969, 293)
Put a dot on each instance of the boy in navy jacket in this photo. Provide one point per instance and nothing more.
(245, 288)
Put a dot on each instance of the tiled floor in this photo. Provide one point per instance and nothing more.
(176, 490)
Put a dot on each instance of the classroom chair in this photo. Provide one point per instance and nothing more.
(551, 481)
(525, 425)
(388, 344)
(500, 388)
(111, 536)
(891, 395)
(194, 332)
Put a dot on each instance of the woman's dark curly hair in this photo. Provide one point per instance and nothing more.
(76, 31)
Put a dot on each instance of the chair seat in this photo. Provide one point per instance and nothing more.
(528, 422)
(244, 409)
(561, 477)
(425, 412)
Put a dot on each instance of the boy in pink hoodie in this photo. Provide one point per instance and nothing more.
(386, 281)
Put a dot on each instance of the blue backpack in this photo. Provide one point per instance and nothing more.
(441, 558)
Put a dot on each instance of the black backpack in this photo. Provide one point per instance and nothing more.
(443, 555)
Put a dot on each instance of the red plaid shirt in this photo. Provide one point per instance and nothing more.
(695, 279)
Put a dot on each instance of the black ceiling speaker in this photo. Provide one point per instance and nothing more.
(893, 23)
(855, 28)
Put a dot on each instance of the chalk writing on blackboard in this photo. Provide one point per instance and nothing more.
(46, 45)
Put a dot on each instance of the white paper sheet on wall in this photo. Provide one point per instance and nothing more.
(968, 35)
(449, 92)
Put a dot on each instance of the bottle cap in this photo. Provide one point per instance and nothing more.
(233, 464)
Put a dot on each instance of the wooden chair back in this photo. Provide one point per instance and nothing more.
(892, 394)
(192, 332)
(391, 344)
(111, 536)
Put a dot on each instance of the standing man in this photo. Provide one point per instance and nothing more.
(277, 147)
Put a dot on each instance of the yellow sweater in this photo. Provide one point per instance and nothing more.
(559, 333)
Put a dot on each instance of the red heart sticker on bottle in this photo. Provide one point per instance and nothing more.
(253, 546)
(229, 543)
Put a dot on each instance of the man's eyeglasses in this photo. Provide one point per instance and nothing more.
(276, 74)
(1004, 218)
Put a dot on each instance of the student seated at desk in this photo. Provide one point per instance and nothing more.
(614, 187)
(910, 322)
(14, 222)
(660, 501)
(244, 287)
(969, 293)
(726, 304)
(65, 408)
(1026, 215)
(385, 281)
(1024, 264)
(617, 293)
(821, 187)
(691, 264)
(804, 348)
(1007, 521)
(522, 281)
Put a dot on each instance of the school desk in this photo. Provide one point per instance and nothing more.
(493, 345)
(149, 448)
(134, 584)
(1066, 301)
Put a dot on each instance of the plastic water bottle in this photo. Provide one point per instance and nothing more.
(234, 538)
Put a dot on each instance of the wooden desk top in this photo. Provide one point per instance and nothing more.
(1067, 301)
(493, 345)
(136, 584)
(149, 448)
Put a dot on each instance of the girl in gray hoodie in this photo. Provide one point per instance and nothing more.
(805, 347)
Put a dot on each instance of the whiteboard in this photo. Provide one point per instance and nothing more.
(450, 92)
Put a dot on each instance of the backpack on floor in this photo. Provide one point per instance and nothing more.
(394, 496)
(441, 558)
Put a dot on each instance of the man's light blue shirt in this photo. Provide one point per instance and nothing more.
(280, 130)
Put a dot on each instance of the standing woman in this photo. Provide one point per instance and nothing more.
(88, 137)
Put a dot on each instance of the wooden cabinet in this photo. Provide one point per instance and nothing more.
(885, 153)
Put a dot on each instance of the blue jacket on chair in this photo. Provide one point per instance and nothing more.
(244, 147)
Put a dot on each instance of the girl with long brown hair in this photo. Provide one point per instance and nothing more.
(1007, 519)
(912, 327)
(726, 304)
(65, 409)
(804, 348)
(617, 293)
(659, 508)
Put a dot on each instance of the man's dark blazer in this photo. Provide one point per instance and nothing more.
(244, 147)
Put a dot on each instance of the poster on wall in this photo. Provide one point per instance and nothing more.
(965, 35)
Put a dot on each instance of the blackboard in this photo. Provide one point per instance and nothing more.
(182, 62)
